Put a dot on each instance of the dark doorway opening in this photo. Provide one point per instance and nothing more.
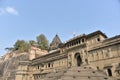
(109, 72)
(78, 59)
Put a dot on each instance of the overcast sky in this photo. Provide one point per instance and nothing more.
(26, 19)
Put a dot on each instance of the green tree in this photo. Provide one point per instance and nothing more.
(21, 46)
(32, 42)
(42, 42)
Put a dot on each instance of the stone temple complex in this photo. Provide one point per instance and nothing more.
(91, 56)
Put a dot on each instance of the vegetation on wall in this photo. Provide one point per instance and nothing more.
(24, 46)
(21, 46)
(42, 42)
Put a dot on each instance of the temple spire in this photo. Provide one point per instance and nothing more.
(55, 42)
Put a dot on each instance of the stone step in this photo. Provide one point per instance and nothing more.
(81, 68)
(85, 73)
(74, 78)
(78, 73)
(85, 78)
(55, 74)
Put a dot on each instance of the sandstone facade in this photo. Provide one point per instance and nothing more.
(94, 49)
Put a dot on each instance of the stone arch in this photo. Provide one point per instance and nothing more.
(78, 59)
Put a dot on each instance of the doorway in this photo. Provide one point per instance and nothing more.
(78, 59)
(109, 72)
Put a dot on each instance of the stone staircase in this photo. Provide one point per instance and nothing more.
(78, 73)
(84, 73)
(55, 75)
